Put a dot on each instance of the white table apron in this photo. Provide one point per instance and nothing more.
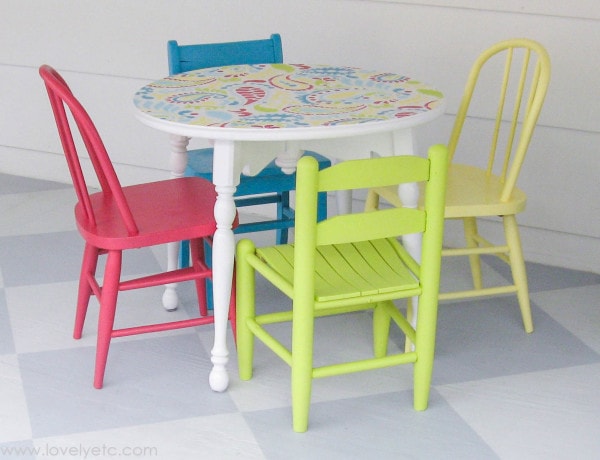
(248, 150)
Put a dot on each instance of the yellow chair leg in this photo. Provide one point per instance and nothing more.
(519, 273)
(372, 201)
(470, 228)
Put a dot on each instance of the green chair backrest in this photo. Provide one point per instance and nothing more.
(372, 225)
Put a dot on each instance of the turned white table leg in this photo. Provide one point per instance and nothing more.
(288, 160)
(409, 194)
(225, 179)
(177, 164)
(404, 144)
(343, 199)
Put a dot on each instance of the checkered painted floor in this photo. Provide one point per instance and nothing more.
(497, 392)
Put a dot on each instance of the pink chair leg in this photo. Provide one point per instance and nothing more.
(108, 304)
(88, 269)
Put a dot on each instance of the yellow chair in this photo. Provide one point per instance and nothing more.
(520, 69)
(345, 264)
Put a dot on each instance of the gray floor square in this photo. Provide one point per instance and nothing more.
(546, 278)
(488, 372)
(33, 259)
(18, 184)
(147, 381)
(484, 338)
(6, 337)
(381, 426)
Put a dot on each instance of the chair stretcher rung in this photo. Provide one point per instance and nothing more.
(262, 225)
(266, 338)
(320, 311)
(174, 276)
(402, 323)
(257, 200)
(272, 318)
(94, 286)
(477, 292)
(365, 364)
(468, 251)
(161, 327)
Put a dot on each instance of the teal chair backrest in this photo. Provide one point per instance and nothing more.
(183, 58)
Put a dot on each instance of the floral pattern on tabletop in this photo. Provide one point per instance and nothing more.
(249, 96)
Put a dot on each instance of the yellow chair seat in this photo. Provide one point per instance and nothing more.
(470, 193)
(344, 271)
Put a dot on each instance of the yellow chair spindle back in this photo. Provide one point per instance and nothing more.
(518, 74)
(499, 113)
(522, 118)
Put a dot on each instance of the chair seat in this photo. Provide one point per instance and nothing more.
(270, 180)
(344, 271)
(470, 193)
(185, 206)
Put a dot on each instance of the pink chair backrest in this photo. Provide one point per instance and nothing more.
(62, 98)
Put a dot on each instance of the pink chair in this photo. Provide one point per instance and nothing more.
(120, 218)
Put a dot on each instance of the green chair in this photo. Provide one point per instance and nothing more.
(345, 264)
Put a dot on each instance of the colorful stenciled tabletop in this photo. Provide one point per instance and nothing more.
(254, 113)
(300, 101)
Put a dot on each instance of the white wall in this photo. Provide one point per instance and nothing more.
(107, 49)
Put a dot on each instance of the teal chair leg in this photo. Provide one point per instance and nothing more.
(184, 254)
(209, 289)
(184, 261)
(281, 236)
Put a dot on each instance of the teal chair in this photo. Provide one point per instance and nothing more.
(272, 184)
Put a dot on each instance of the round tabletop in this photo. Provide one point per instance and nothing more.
(285, 102)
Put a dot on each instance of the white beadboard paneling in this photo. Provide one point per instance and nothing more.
(561, 181)
(25, 111)
(33, 163)
(437, 44)
(107, 99)
(107, 50)
(127, 37)
(587, 9)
